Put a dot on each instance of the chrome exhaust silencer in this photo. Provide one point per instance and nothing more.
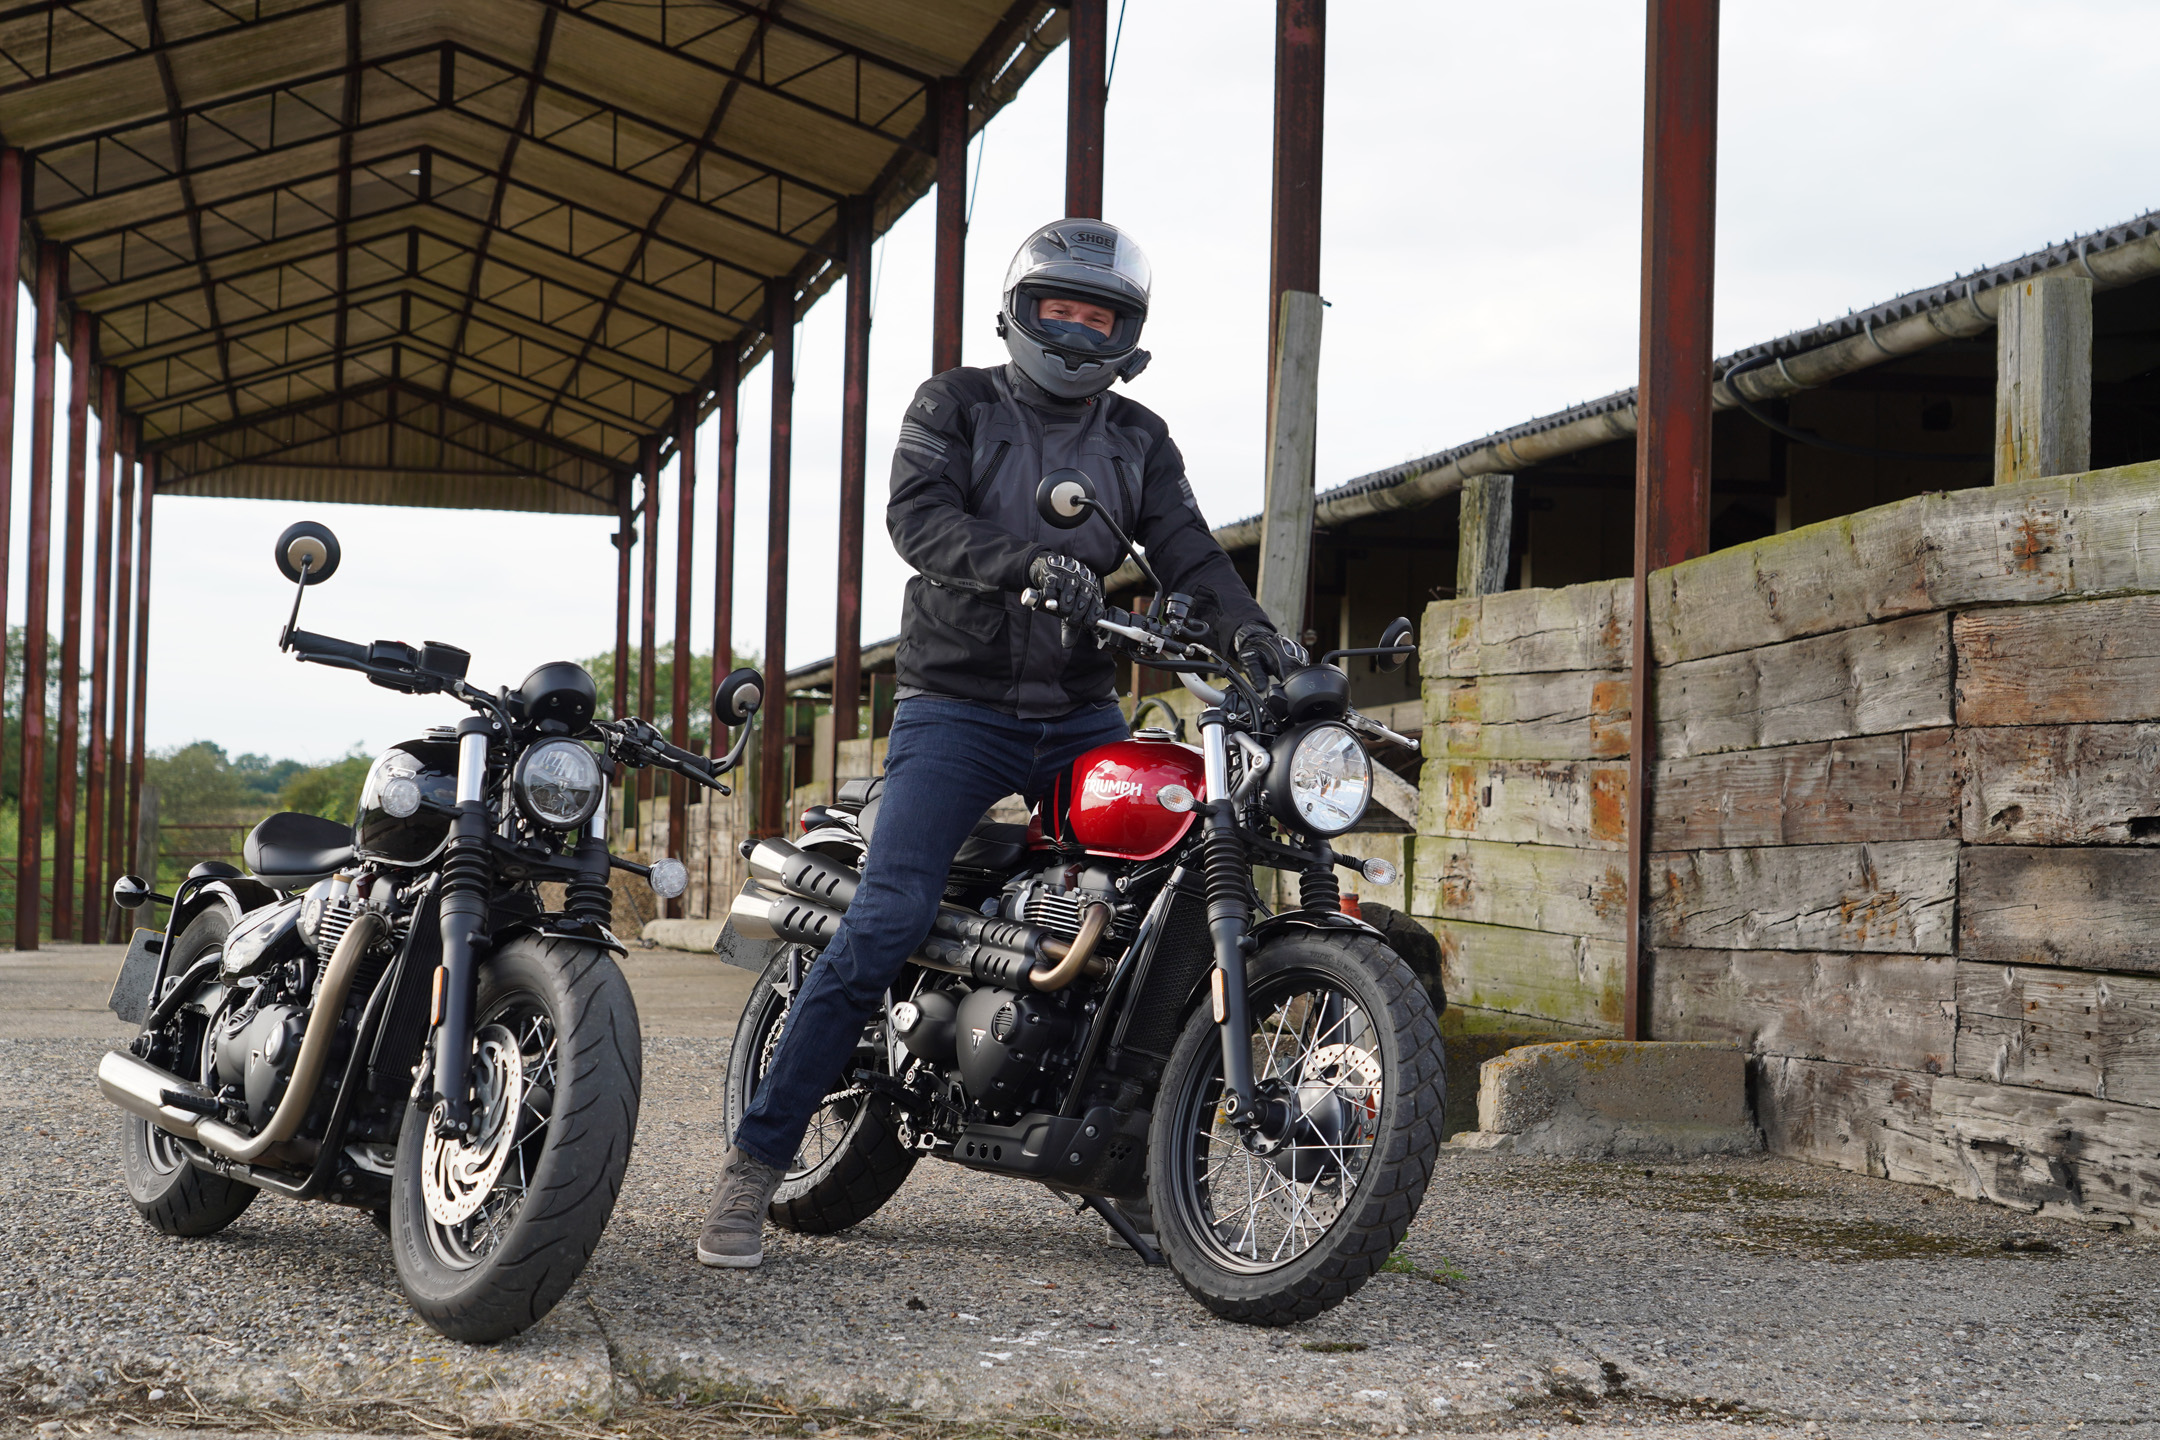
(762, 914)
(140, 1088)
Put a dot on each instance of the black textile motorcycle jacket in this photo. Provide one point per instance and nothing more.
(973, 447)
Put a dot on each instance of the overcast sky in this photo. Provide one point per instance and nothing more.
(1482, 221)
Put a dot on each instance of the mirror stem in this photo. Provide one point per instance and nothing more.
(292, 621)
(1139, 557)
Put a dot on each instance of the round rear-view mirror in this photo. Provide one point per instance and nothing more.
(307, 549)
(1064, 499)
(1398, 632)
(130, 892)
(737, 697)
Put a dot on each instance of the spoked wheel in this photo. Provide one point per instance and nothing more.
(489, 1232)
(174, 1195)
(1345, 1043)
(851, 1161)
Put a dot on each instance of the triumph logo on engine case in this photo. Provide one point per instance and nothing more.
(977, 1032)
(1102, 787)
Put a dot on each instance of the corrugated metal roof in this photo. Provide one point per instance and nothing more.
(464, 252)
(1960, 290)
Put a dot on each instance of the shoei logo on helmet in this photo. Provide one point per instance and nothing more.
(1093, 237)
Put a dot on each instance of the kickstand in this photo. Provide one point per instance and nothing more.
(1116, 1220)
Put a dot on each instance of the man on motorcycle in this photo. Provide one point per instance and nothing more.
(990, 702)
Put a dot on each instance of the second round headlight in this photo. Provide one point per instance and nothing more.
(1321, 779)
(558, 783)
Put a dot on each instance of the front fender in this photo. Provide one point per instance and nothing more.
(1277, 924)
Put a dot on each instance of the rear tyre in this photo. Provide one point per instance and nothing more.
(174, 1195)
(851, 1161)
(487, 1235)
(1345, 1035)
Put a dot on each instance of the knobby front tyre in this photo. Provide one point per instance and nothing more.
(1345, 1035)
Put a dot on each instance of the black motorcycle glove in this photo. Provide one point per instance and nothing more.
(1070, 590)
(1264, 652)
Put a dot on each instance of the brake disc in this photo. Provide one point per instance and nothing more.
(456, 1175)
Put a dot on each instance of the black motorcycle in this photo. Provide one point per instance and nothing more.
(387, 1015)
(1104, 1006)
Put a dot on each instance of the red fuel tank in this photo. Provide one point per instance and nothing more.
(1119, 804)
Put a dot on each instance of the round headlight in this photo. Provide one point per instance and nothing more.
(558, 784)
(1321, 779)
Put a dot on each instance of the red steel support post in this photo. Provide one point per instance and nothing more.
(119, 861)
(1300, 112)
(30, 845)
(775, 737)
(649, 612)
(679, 699)
(11, 217)
(946, 296)
(1672, 397)
(1088, 52)
(729, 390)
(625, 540)
(854, 463)
(137, 745)
(93, 902)
(66, 776)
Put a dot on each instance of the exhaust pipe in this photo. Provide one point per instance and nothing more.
(964, 942)
(141, 1088)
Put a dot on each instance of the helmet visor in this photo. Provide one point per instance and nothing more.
(1068, 334)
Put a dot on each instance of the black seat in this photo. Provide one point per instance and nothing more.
(992, 845)
(292, 849)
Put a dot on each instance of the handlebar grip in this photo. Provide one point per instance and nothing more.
(326, 647)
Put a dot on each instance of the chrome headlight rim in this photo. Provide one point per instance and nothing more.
(521, 785)
(1296, 759)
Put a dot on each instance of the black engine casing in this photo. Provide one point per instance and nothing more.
(1005, 1041)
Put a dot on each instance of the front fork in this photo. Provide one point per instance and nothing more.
(1229, 911)
(467, 883)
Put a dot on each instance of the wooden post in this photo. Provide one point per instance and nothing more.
(854, 456)
(774, 741)
(649, 612)
(679, 698)
(624, 540)
(1487, 522)
(2043, 378)
(93, 899)
(1672, 393)
(1300, 125)
(1293, 404)
(729, 389)
(67, 777)
(122, 669)
(137, 745)
(948, 283)
(11, 227)
(1088, 49)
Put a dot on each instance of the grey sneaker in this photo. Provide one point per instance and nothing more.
(734, 1229)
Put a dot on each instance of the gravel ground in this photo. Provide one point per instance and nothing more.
(1614, 1298)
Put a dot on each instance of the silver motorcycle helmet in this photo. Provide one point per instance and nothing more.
(1083, 260)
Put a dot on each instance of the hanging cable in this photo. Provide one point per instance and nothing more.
(1120, 35)
(1822, 442)
(982, 143)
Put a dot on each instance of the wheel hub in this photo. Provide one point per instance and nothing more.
(456, 1174)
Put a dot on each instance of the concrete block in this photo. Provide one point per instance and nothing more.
(1596, 1099)
(697, 935)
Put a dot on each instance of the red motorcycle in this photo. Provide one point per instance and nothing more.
(1104, 1006)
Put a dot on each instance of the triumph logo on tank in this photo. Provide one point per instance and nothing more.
(1102, 787)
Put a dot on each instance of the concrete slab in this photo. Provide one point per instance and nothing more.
(1600, 1099)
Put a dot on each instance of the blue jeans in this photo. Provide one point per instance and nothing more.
(947, 763)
